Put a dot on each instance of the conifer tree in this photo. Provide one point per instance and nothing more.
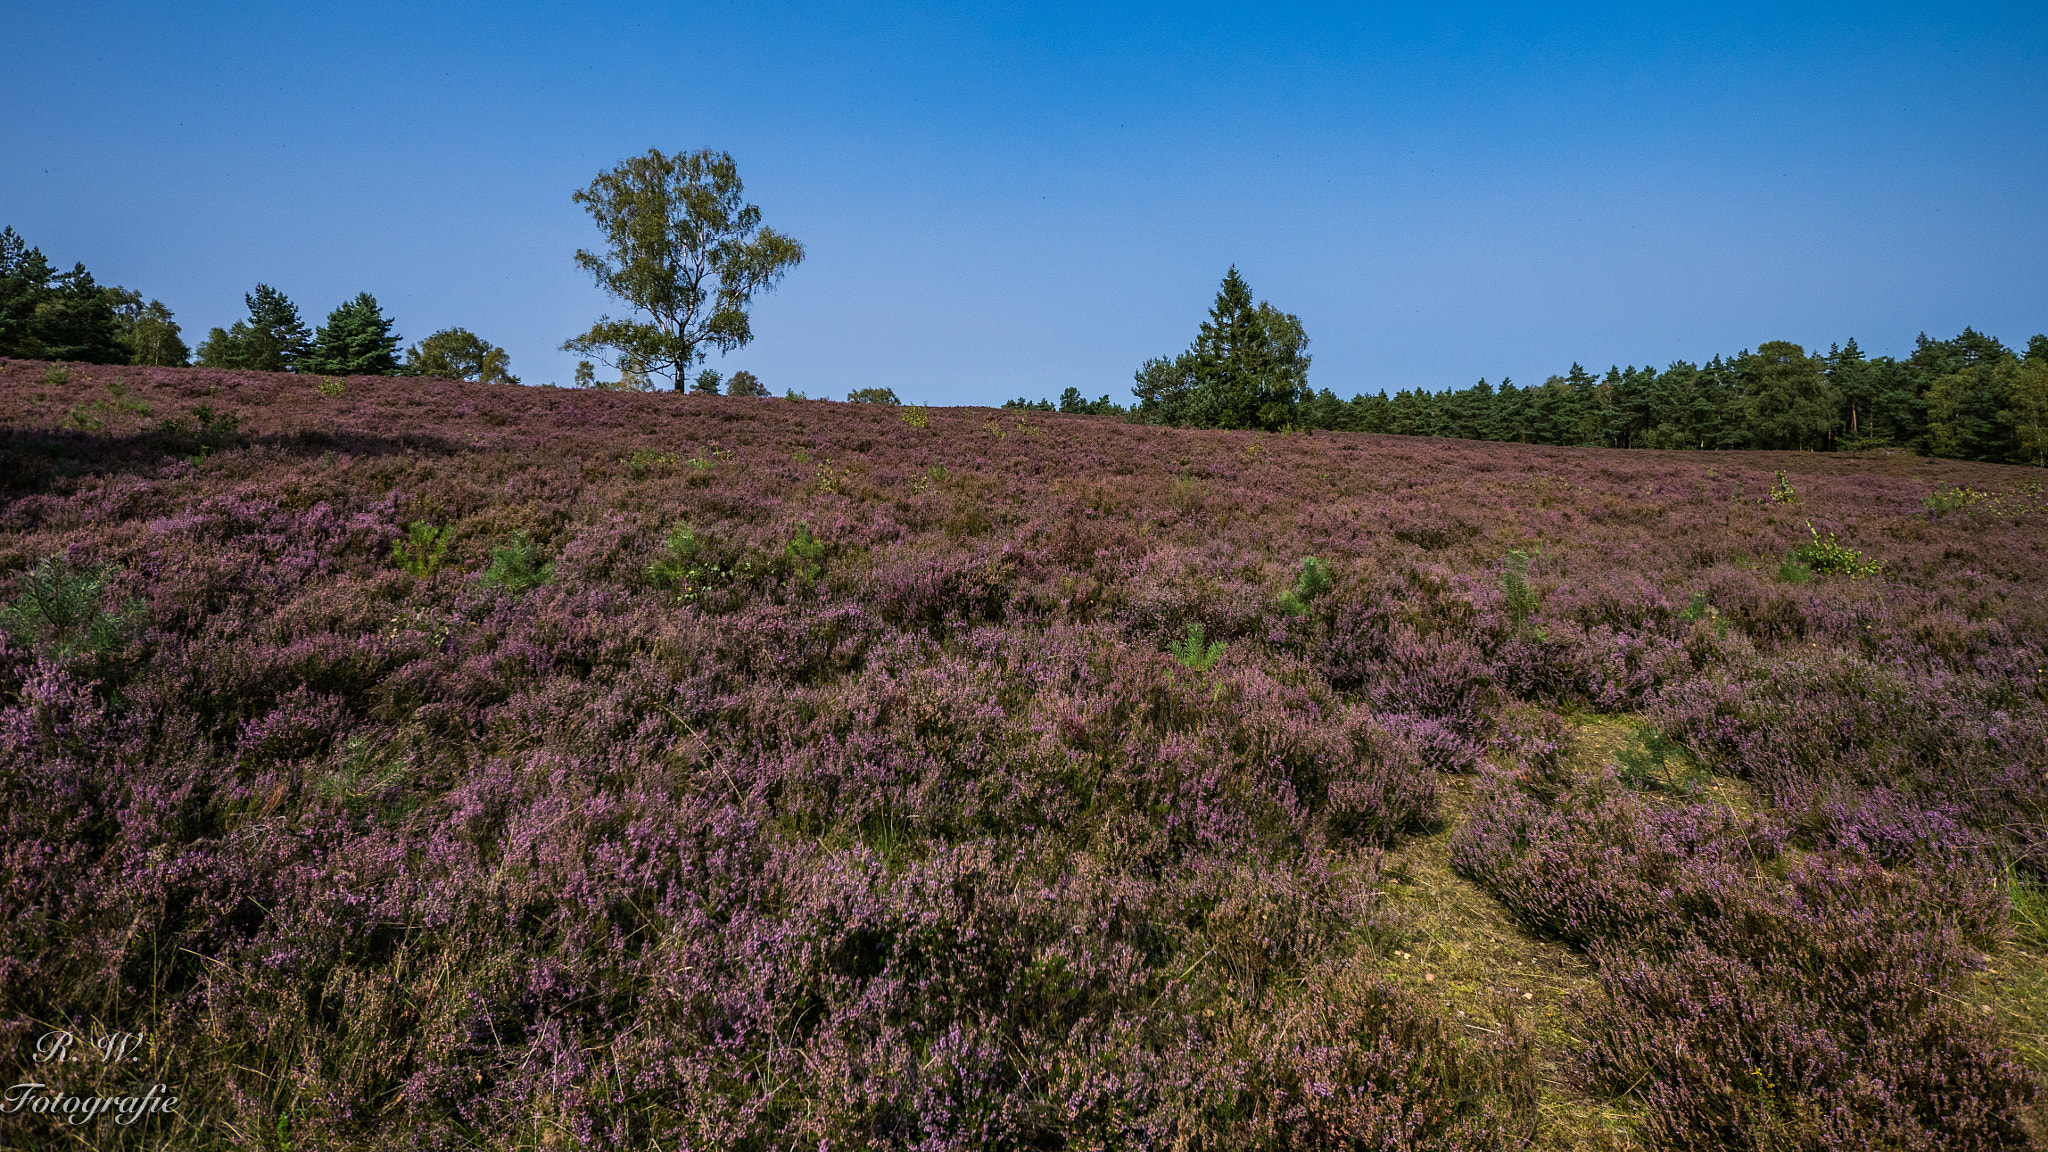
(1246, 369)
(356, 341)
(272, 339)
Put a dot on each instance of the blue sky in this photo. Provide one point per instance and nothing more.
(1010, 199)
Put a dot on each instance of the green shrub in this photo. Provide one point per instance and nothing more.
(1828, 557)
(1793, 570)
(1649, 760)
(806, 553)
(422, 550)
(1782, 492)
(1522, 600)
(678, 566)
(62, 608)
(1193, 653)
(1313, 582)
(516, 567)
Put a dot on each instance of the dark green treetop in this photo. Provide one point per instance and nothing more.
(1248, 368)
(272, 339)
(356, 341)
(50, 315)
(1790, 401)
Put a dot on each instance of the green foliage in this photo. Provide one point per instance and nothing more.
(917, 416)
(1649, 761)
(745, 383)
(1699, 610)
(459, 354)
(356, 341)
(209, 431)
(1829, 558)
(1023, 405)
(645, 460)
(330, 388)
(272, 339)
(872, 396)
(92, 417)
(1246, 369)
(685, 250)
(1793, 570)
(680, 565)
(806, 553)
(1313, 581)
(422, 550)
(60, 608)
(516, 566)
(1782, 491)
(1788, 398)
(933, 476)
(707, 382)
(691, 565)
(50, 315)
(56, 376)
(151, 335)
(1192, 651)
(1522, 600)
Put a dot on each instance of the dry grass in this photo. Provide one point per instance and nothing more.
(1468, 953)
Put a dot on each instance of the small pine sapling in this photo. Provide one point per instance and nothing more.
(1313, 582)
(516, 567)
(1522, 600)
(806, 553)
(422, 550)
(60, 607)
(1192, 651)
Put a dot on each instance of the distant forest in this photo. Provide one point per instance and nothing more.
(1970, 397)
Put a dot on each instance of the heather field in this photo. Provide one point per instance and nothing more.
(397, 763)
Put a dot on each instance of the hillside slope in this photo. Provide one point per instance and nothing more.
(424, 764)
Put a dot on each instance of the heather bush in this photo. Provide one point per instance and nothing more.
(1751, 999)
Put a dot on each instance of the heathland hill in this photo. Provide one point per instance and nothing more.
(430, 764)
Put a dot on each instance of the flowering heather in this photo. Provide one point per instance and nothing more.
(423, 764)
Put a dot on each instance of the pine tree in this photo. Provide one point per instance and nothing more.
(1245, 370)
(272, 339)
(75, 321)
(356, 341)
(25, 275)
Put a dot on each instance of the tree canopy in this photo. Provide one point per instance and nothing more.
(50, 315)
(685, 252)
(356, 341)
(1247, 368)
(459, 354)
(272, 339)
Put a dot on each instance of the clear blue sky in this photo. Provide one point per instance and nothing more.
(1012, 199)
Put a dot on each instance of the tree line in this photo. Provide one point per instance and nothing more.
(1969, 397)
(47, 314)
